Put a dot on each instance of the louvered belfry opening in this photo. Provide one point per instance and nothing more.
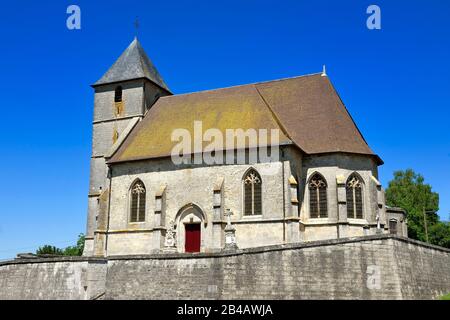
(354, 197)
(118, 101)
(137, 202)
(318, 205)
(252, 193)
(118, 94)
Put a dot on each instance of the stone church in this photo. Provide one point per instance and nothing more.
(322, 185)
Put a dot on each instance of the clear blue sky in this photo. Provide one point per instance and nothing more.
(395, 83)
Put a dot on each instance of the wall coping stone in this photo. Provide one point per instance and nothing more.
(203, 255)
(53, 259)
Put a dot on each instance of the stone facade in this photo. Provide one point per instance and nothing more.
(336, 169)
(285, 214)
(111, 124)
(397, 221)
(370, 267)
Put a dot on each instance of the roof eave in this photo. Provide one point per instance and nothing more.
(96, 85)
(377, 158)
(111, 160)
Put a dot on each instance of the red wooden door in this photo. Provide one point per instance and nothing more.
(193, 237)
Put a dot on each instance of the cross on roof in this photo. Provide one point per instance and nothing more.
(136, 25)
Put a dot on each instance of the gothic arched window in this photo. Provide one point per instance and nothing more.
(118, 94)
(252, 193)
(137, 203)
(318, 205)
(354, 192)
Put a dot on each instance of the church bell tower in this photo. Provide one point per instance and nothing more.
(122, 96)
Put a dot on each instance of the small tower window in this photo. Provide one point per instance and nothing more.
(393, 226)
(118, 94)
(318, 205)
(137, 206)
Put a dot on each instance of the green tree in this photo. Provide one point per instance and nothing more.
(48, 249)
(76, 250)
(439, 234)
(408, 191)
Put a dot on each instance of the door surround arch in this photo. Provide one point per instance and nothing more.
(190, 214)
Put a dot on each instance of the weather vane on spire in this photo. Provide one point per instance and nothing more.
(136, 26)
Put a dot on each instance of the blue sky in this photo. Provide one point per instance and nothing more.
(394, 81)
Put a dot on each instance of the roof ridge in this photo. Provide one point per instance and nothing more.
(277, 120)
(347, 112)
(243, 85)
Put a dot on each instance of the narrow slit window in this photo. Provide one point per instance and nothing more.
(118, 94)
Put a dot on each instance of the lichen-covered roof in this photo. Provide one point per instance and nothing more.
(307, 111)
(232, 108)
(133, 63)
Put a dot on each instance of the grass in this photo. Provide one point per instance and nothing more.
(446, 297)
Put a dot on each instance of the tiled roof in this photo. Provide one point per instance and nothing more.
(306, 109)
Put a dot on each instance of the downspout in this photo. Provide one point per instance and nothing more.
(109, 210)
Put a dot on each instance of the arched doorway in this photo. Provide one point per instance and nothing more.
(193, 237)
(191, 223)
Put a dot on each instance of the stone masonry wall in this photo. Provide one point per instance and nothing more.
(53, 280)
(200, 181)
(374, 267)
(334, 269)
(65, 278)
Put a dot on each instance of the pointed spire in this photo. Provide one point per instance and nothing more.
(324, 71)
(133, 64)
